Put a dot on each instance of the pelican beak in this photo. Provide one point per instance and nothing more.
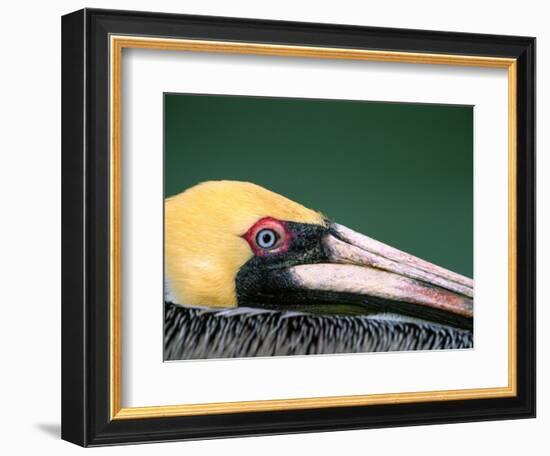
(363, 271)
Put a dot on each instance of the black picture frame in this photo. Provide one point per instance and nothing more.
(85, 228)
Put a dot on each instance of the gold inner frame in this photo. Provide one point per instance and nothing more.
(117, 44)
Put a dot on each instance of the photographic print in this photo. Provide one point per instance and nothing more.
(303, 226)
(292, 208)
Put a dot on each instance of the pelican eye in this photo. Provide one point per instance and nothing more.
(266, 238)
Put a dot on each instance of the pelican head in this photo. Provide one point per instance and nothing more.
(236, 244)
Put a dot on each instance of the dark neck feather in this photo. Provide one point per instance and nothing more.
(192, 333)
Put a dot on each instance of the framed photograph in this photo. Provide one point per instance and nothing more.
(277, 227)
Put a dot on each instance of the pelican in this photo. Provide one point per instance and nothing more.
(249, 272)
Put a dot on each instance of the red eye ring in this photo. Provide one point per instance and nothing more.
(268, 236)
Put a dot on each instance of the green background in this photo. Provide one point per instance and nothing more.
(401, 173)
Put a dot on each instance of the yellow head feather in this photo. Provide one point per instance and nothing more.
(204, 249)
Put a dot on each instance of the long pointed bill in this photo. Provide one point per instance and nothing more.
(387, 278)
